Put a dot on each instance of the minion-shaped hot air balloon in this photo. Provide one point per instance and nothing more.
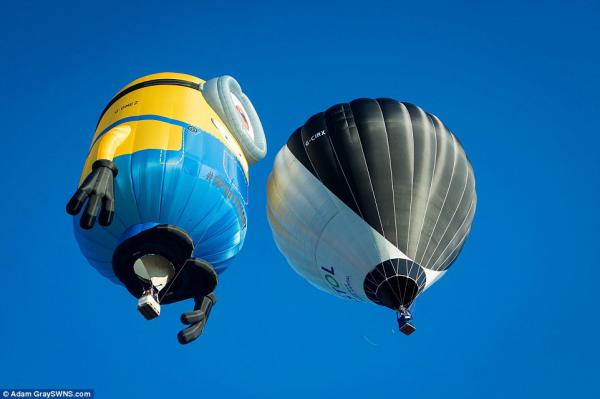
(166, 177)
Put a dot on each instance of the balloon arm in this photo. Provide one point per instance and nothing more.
(98, 187)
(111, 141)
(196, 319)
(98, 191)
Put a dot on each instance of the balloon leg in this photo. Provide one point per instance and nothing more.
(196, 319)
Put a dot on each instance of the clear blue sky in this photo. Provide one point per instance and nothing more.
(517, 316)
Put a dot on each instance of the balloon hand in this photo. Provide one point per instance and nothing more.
(98, 190)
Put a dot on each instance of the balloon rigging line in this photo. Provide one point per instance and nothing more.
(353, 196)
(448, 244)
(465, 235)
(387, 139)
(345, 179)
(428, 191)
(443, 202)
(412, 185)
(375, 201)
(451, 219)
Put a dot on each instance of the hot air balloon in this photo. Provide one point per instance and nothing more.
(166, 177)
(372, 201)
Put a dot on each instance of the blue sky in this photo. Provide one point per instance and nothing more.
(516, 317)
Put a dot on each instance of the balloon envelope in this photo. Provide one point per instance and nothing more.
(372, 200)
(182, 164)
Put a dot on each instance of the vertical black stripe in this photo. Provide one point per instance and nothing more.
(348, 147)
(316, 139)
(296, 147)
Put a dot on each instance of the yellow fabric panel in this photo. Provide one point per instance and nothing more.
(175, 102)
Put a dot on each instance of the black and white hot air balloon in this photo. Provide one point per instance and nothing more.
(372, 201)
